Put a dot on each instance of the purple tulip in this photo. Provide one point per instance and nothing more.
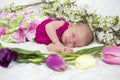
(56, 62)
(111, 55)
(6, 56)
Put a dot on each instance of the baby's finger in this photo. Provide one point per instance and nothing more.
(68, 50)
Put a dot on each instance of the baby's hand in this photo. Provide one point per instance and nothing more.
(66, 50)
(63, 49)
(59, 48)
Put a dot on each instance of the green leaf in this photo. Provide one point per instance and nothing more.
(7, 38)
(105, 27)
(67, 2)
(5, 24)
(28, 56)
(2, 24)
(32, 16)
(93, 50)
(37, 60)
(23, 51)
(9, 31)
(20, 18)
(15, 23)
(9, 26)
(22, 60)
(116, 21)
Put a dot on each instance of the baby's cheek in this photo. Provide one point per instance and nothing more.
(69, 45)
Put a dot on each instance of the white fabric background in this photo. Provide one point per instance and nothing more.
(102, 71)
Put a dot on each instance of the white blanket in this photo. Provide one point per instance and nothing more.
(23, 71)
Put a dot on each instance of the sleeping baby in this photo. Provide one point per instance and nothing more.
(62, 36)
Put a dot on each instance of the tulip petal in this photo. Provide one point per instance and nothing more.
(85, 61)
(111, 55)
(55, 62)
(6, 56)
(5, 64)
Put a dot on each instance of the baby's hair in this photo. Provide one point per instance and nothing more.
(91, 37)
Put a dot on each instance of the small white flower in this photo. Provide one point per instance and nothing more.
(108, 37)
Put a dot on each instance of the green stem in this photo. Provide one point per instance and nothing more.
(12, 31)
(29, 5)
(62, 54)
(69, 58)
(70, 62)
(37, 60)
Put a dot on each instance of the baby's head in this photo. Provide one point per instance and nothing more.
(77, 35)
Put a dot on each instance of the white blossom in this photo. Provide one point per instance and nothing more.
(108, 37)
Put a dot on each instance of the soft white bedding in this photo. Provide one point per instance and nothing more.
(23, 71)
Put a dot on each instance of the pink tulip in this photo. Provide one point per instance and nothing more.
(111, 55)
(55, 62)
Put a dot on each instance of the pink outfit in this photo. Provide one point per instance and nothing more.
(41, 36)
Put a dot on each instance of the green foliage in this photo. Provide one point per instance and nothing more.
(6, 38)
(28, 56)
(93, 50)
(2, 24)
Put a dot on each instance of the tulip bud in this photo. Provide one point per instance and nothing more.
(85, 61)
(111, 55)
(55, 62)
(6, 56)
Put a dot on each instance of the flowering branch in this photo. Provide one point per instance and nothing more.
(13, 8)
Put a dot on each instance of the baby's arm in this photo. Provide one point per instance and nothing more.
(51, 30)
(56, 45)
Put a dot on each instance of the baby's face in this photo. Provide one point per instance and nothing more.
(75, 36)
